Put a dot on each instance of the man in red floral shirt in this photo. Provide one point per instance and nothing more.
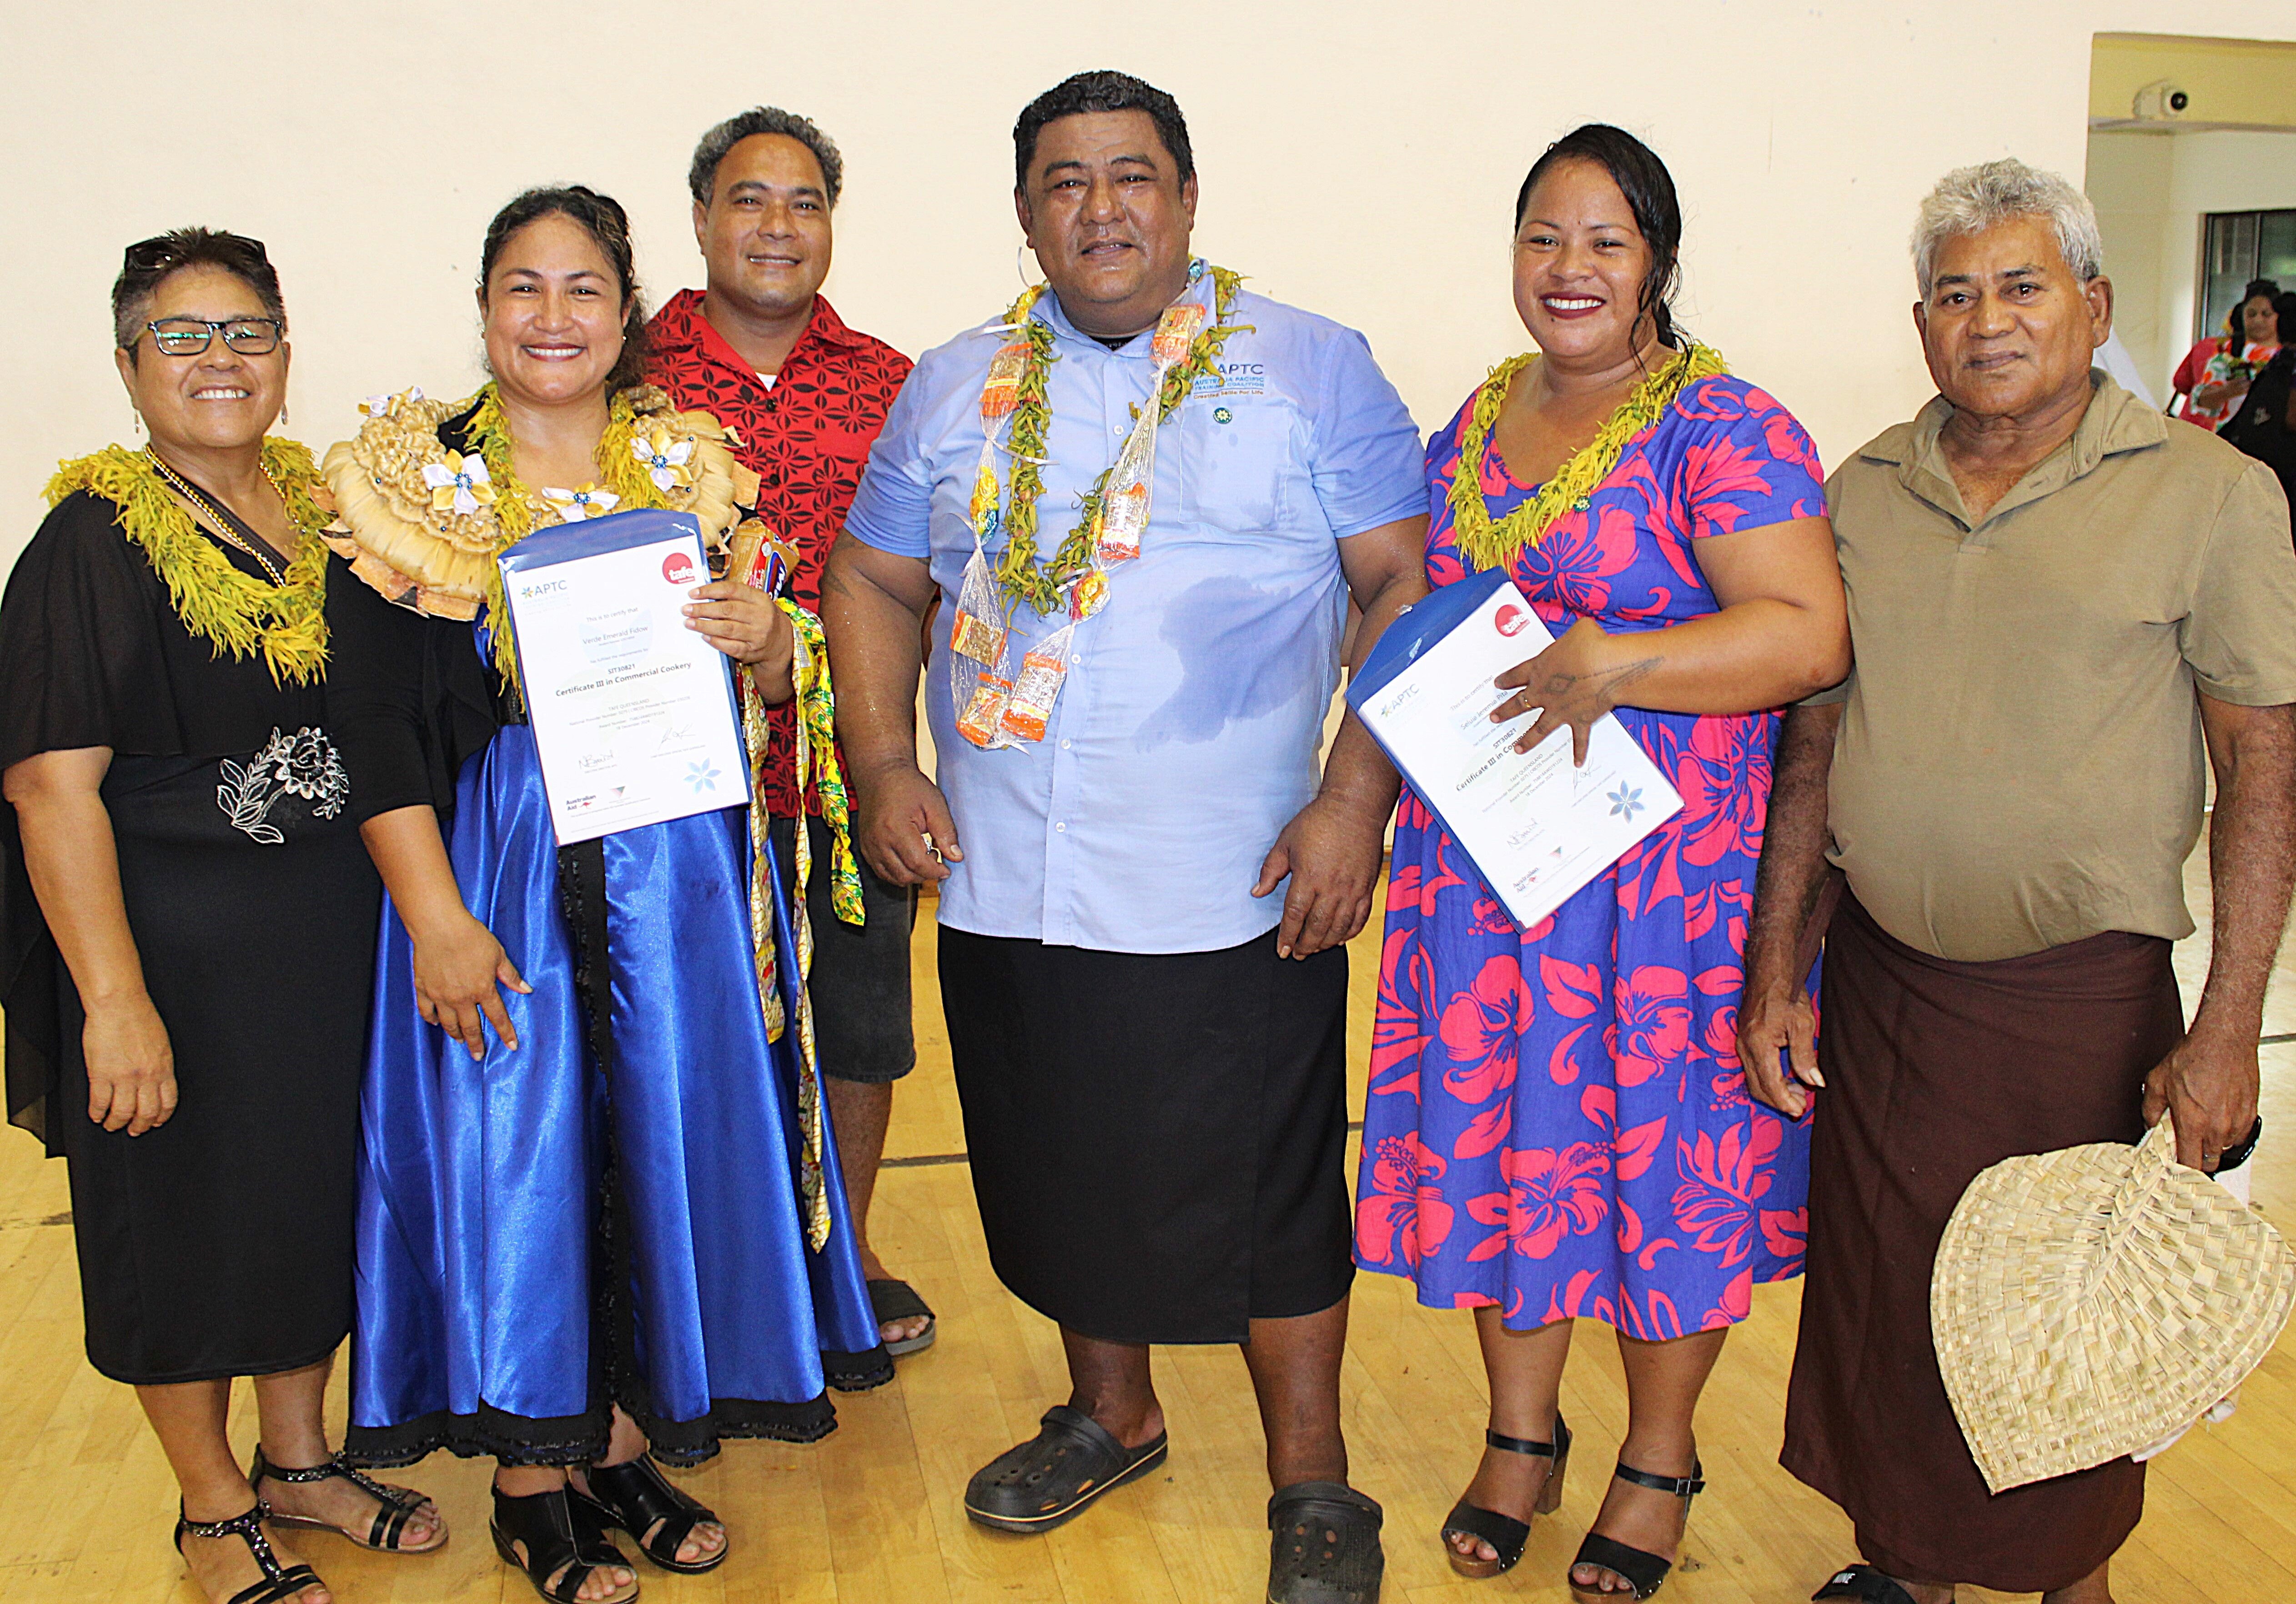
(767, 356)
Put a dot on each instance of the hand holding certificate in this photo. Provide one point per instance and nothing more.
(1538, 826)
(633, 713)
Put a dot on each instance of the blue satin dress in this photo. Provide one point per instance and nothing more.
(610, 1212)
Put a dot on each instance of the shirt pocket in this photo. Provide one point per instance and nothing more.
(1239, 457)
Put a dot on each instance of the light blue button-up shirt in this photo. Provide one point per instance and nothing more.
(1187, 734)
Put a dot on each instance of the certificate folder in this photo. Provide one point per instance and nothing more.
(634, 715)
(1539, 828)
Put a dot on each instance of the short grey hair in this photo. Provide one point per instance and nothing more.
(1972, 199)
(701, 178)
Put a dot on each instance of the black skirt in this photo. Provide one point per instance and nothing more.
(1157, 1139)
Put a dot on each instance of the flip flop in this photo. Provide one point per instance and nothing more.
(891, 1300)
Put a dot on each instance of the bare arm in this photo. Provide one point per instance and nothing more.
(1783, 632)
(2210, 1081)
(74, 864)
(1775, 1014)
(1331, 849)
(873, 609)
(458, 961)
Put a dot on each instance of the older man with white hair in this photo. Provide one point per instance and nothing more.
(2059, 604)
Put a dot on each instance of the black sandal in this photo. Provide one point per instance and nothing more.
(556, 1542)
(1644, 1571)
(1325, 1545)
(1865, 1584)
(891, 1300)
(638, 1498)
(280, 1582)
(399, 1505)
(1056, 1474)
(1503, 1533)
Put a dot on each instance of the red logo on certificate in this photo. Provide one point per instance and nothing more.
(678, 568)
(1510, 619)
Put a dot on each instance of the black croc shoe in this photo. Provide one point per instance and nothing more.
(1052, 1476)
(1324, 1545)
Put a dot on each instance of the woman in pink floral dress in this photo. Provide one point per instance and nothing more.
(1558, 1125)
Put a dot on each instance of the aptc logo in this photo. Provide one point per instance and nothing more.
(1510, 620)
(678, 568)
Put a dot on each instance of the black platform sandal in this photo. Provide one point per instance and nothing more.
(280, 1582)
(399, 1505)
(1503, 1533)
(638, 1499)
(1865, 1584)
(556, 1543)
(1644, 1571)
(1325, 1545)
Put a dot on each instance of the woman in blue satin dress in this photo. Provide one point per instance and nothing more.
(600, 1223)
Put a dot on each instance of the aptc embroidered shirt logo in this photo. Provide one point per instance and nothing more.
(1237, 377)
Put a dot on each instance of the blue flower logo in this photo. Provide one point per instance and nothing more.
(702, 777)
(1624, 802)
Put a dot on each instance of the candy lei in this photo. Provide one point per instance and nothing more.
(232, 610)
(1020, 575)
(1495, 543)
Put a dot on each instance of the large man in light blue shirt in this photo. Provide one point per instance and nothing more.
(1149, 1044)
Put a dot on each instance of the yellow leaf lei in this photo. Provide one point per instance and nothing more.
(1019, 573)
(1495, 543)
(234, 611)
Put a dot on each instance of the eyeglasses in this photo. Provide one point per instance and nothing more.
(190, 336)
(161, 250)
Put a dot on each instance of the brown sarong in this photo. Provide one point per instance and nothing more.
(1935, 1070)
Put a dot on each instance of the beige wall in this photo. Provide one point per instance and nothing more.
(1358, 159)
(2230, 80)
(2150, 191)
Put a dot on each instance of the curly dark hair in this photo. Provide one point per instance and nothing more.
(148, 264)
(603, 219)
(718, 144)
(1102, 91)
(1649, 189)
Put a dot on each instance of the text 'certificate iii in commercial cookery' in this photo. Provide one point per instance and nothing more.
(633, 713)
(1537, 828)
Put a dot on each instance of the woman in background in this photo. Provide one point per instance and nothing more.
(2217, 371)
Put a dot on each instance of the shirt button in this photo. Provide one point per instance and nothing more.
(1065, 745)
(1060, 827)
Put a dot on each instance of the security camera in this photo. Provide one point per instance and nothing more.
(2161, 100)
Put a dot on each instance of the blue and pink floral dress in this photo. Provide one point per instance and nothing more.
(1557, 1122)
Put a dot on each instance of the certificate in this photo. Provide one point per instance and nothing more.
(634, 713)
(1537, 828)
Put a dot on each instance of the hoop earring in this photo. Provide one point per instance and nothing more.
(1021, 264)
(136, 413)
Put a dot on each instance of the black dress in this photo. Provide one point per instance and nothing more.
(218, 1244)
(2258, 425)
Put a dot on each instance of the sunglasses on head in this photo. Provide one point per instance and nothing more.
(147, 256)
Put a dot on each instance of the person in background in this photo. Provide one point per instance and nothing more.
(1572, 1086)
(2217, 371)
(1146, 881)
(2263, 424)
(190, 919)
(803, 396)
(2059, 606)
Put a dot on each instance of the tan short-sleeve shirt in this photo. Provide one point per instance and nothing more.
(2020, 760)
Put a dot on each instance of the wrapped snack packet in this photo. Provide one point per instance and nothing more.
(1037, 685)
(978, 723)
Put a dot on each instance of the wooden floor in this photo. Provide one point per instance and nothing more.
(871, 1516)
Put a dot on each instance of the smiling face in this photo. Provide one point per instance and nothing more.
(218, 400)
(764, 233)
(1108, 216)
(2006, 329)
(2259, 323)
(554, 311)
(1580, 265)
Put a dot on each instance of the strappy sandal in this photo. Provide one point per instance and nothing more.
(1503, 1533)
(891, 1300)
(1644, 1571)
(1865, 1584)
(399, 1505)
(1054, 1476)
(635, 1497)
(554, 1544)
(1325, 1545)
(280, 1582)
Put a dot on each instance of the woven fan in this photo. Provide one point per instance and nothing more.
(2088, 1302)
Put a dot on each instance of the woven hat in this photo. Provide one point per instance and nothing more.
(2087, 1302)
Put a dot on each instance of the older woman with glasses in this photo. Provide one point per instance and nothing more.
(189, 917)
